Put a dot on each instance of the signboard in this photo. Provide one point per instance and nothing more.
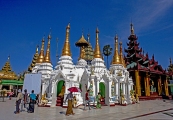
(171, 81)
(32, 82)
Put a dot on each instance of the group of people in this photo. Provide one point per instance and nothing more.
(70, 99)
(25, 100)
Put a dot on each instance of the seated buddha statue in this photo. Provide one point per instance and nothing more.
(137, 98)
(44, 101)
(62, 91)
(123, 99)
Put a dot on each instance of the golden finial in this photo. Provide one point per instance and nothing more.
(47, 56)
(170, 61)
(97, 53)
(41, 55)
(37, 49)
(132, 29)
(88, 35)
(66, 49)
(116, 59)
(121, 55)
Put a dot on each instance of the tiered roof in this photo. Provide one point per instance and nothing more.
(7, 73)
(136, 60)
(34, 60)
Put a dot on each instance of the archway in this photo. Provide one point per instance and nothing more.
(102, 89)
(59, 86)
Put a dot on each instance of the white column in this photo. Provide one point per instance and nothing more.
(116, 88)
(124, 90)
(109, 89)
(94, 88)
(54, 94)
(43, 88)
(97, 87)
(119, 87)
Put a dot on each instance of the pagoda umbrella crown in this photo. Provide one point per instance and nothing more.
(81, 42)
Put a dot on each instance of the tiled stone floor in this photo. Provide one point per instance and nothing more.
(146, 110)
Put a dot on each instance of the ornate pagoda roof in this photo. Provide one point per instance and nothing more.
(36, 55)
(135, 60)
(7, 73)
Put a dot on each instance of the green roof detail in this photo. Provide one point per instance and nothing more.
(133, 64)
(11, 82)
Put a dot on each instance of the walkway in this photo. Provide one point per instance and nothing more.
(146, 110)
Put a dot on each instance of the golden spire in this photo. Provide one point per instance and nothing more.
(116, 59)
(34, 60)
(47, 56)
(41, 55)
(132, 29)
(66, 48)
(97, 53)
(121, 55)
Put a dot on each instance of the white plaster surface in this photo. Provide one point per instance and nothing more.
(106, 113)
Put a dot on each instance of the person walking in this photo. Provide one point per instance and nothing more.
(18, 101)
(98, 99)
(69, 107)
(25, 100)
(32, 102)
(87, 100)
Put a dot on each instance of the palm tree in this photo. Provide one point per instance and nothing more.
(107, 51)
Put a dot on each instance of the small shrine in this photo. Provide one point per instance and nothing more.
(8, 79)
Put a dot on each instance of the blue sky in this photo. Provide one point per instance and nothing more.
(23, 23)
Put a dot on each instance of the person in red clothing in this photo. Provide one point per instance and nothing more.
(87, 101)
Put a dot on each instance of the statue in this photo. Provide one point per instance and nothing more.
(119, 73)
(132, 96)
(62, 91)
(44, 101)
(74, 101)
(123, 100)
(137, 98)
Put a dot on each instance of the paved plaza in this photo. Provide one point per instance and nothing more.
(146, 110)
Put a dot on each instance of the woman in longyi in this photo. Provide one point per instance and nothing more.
(69, 107)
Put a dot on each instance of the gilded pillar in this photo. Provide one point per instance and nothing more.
(138, 85)
(159, 86)
(148, 84)
(166, 88)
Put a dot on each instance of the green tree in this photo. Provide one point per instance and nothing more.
(107, 51)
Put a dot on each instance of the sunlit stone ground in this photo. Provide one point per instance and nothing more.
(146, 110)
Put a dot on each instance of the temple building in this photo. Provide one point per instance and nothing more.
(89, 73)
(8, 78)
(150, 79)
